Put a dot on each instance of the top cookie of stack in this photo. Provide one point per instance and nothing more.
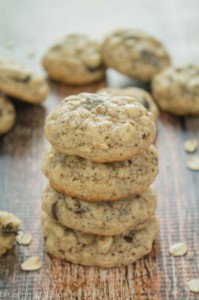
(102, 128)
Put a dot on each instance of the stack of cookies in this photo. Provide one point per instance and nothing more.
(99, 208)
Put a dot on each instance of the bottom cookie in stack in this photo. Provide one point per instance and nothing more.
(104, 234)
(94, 250)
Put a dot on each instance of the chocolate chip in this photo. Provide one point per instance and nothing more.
(8, 229)
(54, 211)
(130, 162)
(24, 80)
(144, 136)
(80, 211)
(95, 69)
(128, 239)
(148, 57)
(143, 101)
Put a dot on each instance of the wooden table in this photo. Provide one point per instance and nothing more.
(32, 26)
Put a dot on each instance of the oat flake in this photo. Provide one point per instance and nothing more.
(193, 285)
(178, 249)
(24, 238)
(193, 163)
(32, 264)
(191, 145)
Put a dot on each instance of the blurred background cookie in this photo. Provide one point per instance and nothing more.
(176, 90)
(75, 59)
(141, 95)
(134, 53)
(17, 82)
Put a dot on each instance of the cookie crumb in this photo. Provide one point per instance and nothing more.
(178, 249)
(191, 145)
(33, 263)
(24, 238)
(193, 163)
(193, 285)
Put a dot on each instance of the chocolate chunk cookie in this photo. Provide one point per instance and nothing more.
(17, 82)
(93, 250)
(100, 127)
(91, 181)
(9, 226)
(134, 53)
(139, 94)
(7, 115)
(176, 90)
(102, 218)
(75, 59)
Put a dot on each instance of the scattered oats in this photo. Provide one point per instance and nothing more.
(31, 54)
(193, 163)
(178, 249)
(32, 264)
(191, 145)
(193, 285)
(24, 238)
(10, 45)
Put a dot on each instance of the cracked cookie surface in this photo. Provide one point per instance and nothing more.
(142, 96)
(93, 250)
(9, 226)
(134, 53)
(7, 115)
(19, 83)
(102, 128)
(102, 218)
(75, 59)
(91, 181)
(176, 90)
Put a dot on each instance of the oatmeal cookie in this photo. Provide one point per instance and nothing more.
(9, 226)
(19, 83)
(101, 218)
(91, 181)
(100, 127)
(135, 53)
(176, 90)
(94, 250)
(75, 59)
(7, 115)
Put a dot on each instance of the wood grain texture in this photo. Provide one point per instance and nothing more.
(33, 25)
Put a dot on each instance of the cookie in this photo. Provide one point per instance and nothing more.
(75, 59)
(176, 90)
(19, 83)
(7, 115)
(135, 53)
(139, 94)
(91, 181)
(101, 218)
(100, 127)
(94, 250)
(9, 226)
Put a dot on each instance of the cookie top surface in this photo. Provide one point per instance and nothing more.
(176, 90)
(7, 115)
(100, 127)
(142, 96)
(94, 250)
(102, 218)
(9, 223)
(135, 53)
(91, 181)
(75, 59)
(20, 83)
